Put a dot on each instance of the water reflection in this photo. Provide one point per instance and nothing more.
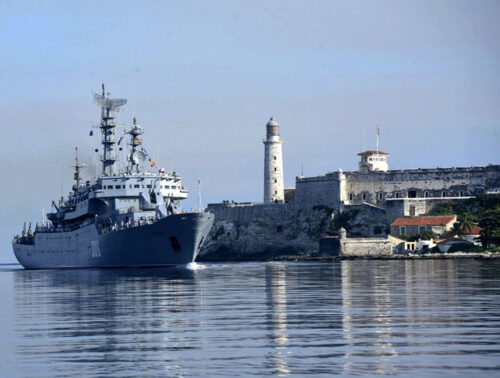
(347, 318)
(277, 316)
(107, 315)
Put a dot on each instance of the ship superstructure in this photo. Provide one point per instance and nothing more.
(128, 217)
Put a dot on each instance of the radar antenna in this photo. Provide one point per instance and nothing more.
(107, 127)
(76, 175)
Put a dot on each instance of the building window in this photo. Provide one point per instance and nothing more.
(351, 196)
(402, 230)
(275, 169)
(412, 210)
(275, 192)
(421, 229)
(274, 157)
(275, 181)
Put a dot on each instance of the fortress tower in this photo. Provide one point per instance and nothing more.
(273, 164)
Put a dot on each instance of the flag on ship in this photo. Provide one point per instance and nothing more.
(152, 162)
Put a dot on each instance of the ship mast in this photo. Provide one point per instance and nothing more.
(76, 175)
(136, 156)
(107, 126)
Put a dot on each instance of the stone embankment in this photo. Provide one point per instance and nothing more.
(255, 231)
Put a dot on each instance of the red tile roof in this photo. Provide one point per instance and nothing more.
(372, 152)
(475, 230)
(424, 221)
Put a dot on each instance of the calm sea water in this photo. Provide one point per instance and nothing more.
(425, 318)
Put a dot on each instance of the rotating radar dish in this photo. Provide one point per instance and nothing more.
(138, 157)
(108, 103)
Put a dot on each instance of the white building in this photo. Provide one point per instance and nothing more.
(373, 161)
(273, 164)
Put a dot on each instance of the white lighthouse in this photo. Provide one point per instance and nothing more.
(273, 164)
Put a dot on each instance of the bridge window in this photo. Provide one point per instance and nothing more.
(136, 186)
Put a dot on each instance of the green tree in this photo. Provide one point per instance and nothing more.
(490, 222)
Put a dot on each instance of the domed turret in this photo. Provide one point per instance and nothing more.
(273, 127)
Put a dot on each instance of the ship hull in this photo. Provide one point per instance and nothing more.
(173, 240)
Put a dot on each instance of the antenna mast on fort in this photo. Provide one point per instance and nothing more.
(378, 138)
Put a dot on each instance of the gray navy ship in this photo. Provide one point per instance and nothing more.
(127, 218)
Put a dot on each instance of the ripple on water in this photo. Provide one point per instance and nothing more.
(429, 318)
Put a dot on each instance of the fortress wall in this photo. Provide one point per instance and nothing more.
(375, 187)
(253, 231)
(320, 190)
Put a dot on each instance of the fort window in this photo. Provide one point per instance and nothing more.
(351, 196)
(364, 196)
(397, 195)
(443, 194)
(461, 194)
(380, 196)
(275, 192)
(279, 229)
(412, 194)
(426, 194)
(412, 211)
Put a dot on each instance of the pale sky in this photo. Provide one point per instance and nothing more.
(203, 78)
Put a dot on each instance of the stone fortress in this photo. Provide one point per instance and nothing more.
(292, 220)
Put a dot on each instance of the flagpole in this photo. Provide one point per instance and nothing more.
(199, 196)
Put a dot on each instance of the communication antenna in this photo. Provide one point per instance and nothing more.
(62, 181)
(378, 138)
(302, 169)
(76, 175)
